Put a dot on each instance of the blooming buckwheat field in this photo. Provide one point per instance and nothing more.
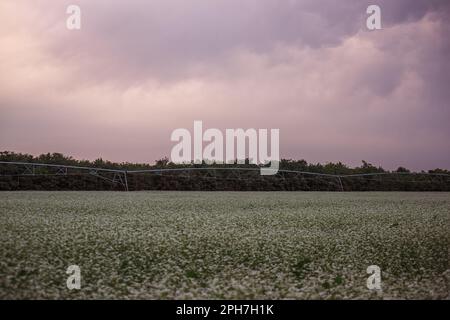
(224, 245)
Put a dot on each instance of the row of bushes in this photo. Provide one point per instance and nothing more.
(12, 177)
(223, 183)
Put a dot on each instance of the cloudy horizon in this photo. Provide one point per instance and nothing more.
(138, 70)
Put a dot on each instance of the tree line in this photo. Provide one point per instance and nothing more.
(402, 179)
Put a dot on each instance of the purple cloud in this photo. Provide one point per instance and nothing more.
(138, 70)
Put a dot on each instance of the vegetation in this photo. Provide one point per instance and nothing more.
(12, 178)
(223, 245)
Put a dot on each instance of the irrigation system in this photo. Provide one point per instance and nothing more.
(118, 176)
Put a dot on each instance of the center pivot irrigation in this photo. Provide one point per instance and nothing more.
(120, 177)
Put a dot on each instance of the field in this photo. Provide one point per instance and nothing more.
(224, 245)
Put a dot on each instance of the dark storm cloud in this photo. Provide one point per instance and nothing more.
(166, 39)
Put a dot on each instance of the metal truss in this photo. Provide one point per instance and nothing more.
(32, 169)
(120, 177)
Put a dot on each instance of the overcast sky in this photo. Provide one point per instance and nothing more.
(139, 69)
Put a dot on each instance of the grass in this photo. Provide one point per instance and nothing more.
(224, 245)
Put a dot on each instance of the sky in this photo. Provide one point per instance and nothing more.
(137, 70)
